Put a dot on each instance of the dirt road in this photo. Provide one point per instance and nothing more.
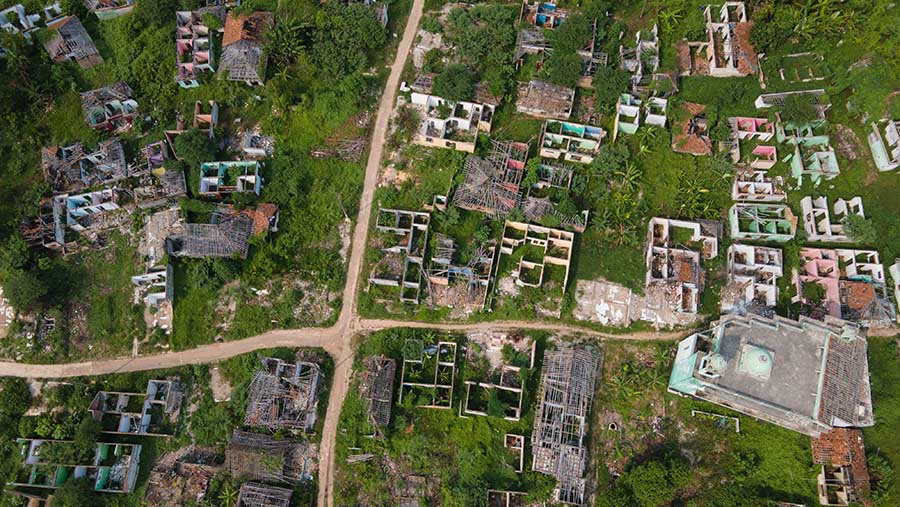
(338, 339)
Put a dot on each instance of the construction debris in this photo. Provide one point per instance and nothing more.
(111, 108)
(690, 134)
(254, 494)
(561, 420)
(260, 457)
(545, 100)
(225, 236)
(70, 41)
(284, 395)
(377, 388)
(457, 285)
(180, 477)
(491, 186)
(70, 169)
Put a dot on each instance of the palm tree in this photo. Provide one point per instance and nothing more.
(671, 18)
(229, 496)
(630, 176)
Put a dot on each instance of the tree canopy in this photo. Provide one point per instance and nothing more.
(456, 82)
(345, 36)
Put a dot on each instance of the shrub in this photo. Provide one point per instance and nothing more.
(456, 82)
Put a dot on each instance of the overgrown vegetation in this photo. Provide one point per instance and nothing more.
(62, 415)
(316, 89)
(460, 458)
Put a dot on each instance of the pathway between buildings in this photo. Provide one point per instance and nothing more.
(336, 340)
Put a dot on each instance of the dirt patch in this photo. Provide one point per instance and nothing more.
(7, 315)
(848, 143)
(221, 388)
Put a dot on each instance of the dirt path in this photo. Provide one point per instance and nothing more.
(338, 339)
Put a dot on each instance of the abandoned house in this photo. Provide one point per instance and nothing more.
(113, 468)
(628, 113)
(218, 179)
(755, 185)
(459, 283)
(155, 154)
(254, 494)
(71, 169)
(561, 420)
(450, 124)
(284, 395)
(206, 118)
(817, 97)
(642, 60)
(690, 131)
(753, 273)
(181, 477)
(109, 9)
(813, 155)
(885, 144)
(224, 236)
(825, 225)
(402, 238)
(428, 374)
(533, 40)
(753, 130)
(543, 15)
(254, 144)
(261, 457)
(87, 213)
(159, 186)
(674, 250)
(548, 253)
(111, 108)
(502, 382)
(762, 222)
(515, 445)
(496, 498)
(727, 51)
(844, 475)
(243, 56)
(792, 69)
(571, 142)
(69, 41)
(851, 282)
(16, 20)
(65, 218)
(807, 376)
(193, 45)
(155, 286)
(491, 185)
(376, 388)
(545, 100)
(149, 414)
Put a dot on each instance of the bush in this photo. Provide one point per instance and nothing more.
(798, 109)
(15, 397)
(861, 229)
(564, 69)
(23, 289)
(609, 83)
(456, 82)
